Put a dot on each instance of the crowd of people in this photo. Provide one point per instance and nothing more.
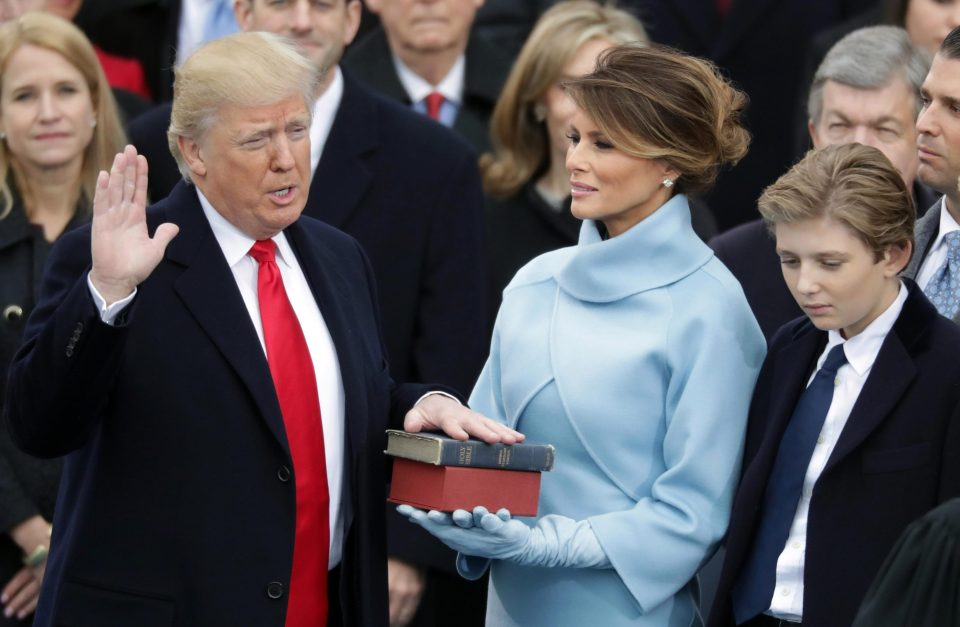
(708, 249)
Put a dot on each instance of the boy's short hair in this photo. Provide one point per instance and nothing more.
(853, 184)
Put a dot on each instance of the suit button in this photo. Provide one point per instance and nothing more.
(274, 589)
(283, 474)
(12, 313)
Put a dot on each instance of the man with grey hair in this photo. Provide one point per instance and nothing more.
(866, 90)
(213, 370)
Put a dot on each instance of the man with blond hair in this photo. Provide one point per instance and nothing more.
(213, 371)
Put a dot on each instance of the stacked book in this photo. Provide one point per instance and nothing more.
(433, 471)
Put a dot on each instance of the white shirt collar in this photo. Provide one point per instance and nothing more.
(234, 243)
(324, 111)
(947, 225)
(862, 349)
(451, 86)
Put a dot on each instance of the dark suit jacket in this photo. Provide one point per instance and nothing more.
(898, 457)
(28, 486)
(760, 45)
(925, 233)
(172, 510)
(146, 30)
(409, 191)
(486, 70)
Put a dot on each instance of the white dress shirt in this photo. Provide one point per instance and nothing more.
(861, 351)
(451, 87)
(937, 255)
(235, 246)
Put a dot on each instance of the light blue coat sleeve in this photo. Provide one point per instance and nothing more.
(713, 360)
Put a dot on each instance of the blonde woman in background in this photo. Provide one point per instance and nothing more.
(525, 179)
(58, 128)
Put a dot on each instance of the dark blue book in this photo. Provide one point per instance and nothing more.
(441, 450)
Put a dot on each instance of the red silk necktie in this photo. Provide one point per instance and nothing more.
(295, 382)
(434, 102)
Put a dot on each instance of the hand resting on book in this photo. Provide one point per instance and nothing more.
(555, 541)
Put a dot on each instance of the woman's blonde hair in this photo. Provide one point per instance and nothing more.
(58, 35)
(853, 184)
(521, 142)
(658, 103)
(246, 69)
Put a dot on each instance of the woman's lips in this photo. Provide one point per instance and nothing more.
(579, 190)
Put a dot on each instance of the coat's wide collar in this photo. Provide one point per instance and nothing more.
(660, 250)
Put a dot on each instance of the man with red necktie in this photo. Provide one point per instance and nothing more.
(213, 370)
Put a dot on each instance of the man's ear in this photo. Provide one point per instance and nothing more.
(814, 136)
(354, 10)
(243, 12)
(896, 258)
(190, 150)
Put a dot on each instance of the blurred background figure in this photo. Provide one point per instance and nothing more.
(526, 176)
(425, 55)
(937, 242)
(159, 34)
(58, 128)
(927, 23)
(124, 74)
(867, 90)
(759, 45)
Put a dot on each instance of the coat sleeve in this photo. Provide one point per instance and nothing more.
(713, 357)
(61, 377)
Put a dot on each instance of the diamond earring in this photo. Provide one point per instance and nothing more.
(668, 183)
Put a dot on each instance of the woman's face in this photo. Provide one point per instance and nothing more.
(559, 106)
(929, 21)
(46, 109)
(608, 184)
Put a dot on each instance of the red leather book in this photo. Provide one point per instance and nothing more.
(446, 488)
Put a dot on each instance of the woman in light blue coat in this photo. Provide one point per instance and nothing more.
(634, 353)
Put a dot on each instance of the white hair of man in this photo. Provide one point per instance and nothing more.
(870, 58)
(246, 69)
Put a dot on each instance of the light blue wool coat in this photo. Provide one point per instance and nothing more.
(636, 356)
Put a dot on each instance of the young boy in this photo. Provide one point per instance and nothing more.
(854, 428)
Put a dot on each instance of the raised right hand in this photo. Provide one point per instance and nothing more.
(123, 252)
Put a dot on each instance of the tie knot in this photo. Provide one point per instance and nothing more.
(434, 100)
(264, 251)
(835, 358)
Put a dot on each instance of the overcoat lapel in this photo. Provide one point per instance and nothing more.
(789, 379)
(329, 287)
(342, 176)
(208, 290)
(891, 375)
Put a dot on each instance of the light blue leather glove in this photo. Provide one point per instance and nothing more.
(555, 541)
